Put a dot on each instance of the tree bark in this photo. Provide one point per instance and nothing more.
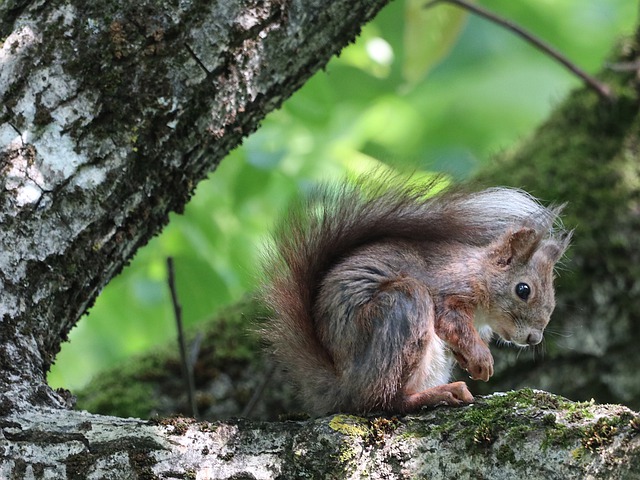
(526, 434)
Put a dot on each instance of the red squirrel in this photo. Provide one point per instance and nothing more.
(378, 286)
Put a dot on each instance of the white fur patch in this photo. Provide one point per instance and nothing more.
(434, 368)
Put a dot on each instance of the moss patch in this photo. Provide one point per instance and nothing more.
(369, 429)
(599, 434)
(505, 420)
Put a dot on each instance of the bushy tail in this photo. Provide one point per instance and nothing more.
(335, 220)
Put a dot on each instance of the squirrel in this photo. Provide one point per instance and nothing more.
(377, 287)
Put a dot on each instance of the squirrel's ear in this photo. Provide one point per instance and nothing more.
(516, 246)
(554, 248)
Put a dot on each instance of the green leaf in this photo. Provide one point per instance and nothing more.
(429, 35)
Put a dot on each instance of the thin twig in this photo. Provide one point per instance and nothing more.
(187, 370)
(600, 88)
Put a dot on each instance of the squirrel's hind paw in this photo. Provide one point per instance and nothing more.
(453, 394)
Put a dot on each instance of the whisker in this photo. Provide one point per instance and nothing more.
(559, 333)
(557, 336)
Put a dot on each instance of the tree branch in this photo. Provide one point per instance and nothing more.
(600, 88)
(525, 434)
(187, 365)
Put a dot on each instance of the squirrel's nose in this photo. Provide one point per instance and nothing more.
(534, 338)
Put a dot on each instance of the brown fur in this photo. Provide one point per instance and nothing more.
(376, 287)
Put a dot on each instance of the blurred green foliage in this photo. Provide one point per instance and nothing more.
(484, 90)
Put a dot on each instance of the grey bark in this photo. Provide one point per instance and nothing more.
(532, 435)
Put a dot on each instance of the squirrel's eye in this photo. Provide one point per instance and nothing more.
(523, 290)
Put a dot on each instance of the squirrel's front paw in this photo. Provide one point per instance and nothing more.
(478, 362)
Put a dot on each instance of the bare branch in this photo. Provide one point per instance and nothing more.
(187, 366)
(600, 88)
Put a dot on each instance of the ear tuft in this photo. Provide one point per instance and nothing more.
(554, 248)
(516, 246)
